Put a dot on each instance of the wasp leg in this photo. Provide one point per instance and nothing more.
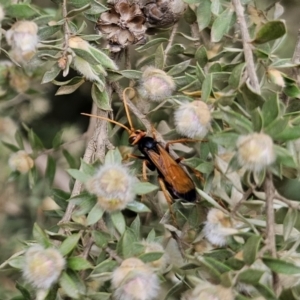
(168, 198)
(135, 156)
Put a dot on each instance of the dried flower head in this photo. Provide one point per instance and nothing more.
(163, 13)
(218, 227)
(208, 291)
(90, 72)
(123, 25)
(23, 39)
(21, 161)
(193, 119)
(255, 151)
(155, 84)
(134, 280)
(113, 185)
(2, 13)
(43, 267)
(19, 80)
(276, 77)
(161, 263)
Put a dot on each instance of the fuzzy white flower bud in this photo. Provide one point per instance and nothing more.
(7, 127)
(255, 151)
(23, 39)
(21, 161)
(156, 85)
(113, 185)
(276, 77)
(193, 119)
(218, 227)
(208, 291)
(134, 280)
(42, 267)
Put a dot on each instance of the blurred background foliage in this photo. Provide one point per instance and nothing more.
(50, 116)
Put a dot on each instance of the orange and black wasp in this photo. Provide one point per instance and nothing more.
(173, 179)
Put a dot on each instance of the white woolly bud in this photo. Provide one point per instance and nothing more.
(23, 39)
(42, 267)
(113, 185)
(2, 13)
(161, 263)
(20, 161)
(193, 119)
(134, 280)
(208, 291)
(255, 151)
(7, 127)
(218, 227)
(156, 85)
(276, 77)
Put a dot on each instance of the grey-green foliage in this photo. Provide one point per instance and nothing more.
(206, 60)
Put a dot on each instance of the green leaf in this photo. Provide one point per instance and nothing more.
(78, 263)
(289, 133)
(113, 157)
(101, 98)
(151, 256)
(10, 146)
(69, 244)
(101, 238)
(46, 32)
(17, 262)
(207, 87)
(131, 74)
(289, 222)
(284, 157)
(266, 291)
(270, 31)
(217, 265)
(95, 214)
(152, 43)
(203, 14)
(276, 127)
(250, 249)
(51, 75)
(136, 225)
(221, 25)
(236, 75)
(79, 175)
(159, 57)
(270, 110)
(257, 119)
(215, 7)
(201, 57)
(87, 169)
(137, 207)
(292, 90)
(125, 245)
(19, 139)
(176, 49)
(60, 197)
(105, 266)
(70, 159)
(250, 276)
(142, 188)
(103, 59)
(69, 286)
(50, 169)
(280, 266)
(25, 293)
(35, 141)
(76, 11)
(57, 140)
(189, 15)
(252, 100)
(21, 11)
(179, 68)
(40, 236)
(69, 89)
(84, 202)
(118, 221)
(78, 3)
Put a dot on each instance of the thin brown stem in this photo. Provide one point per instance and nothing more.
(170, 42)
(250, 66)
(270, 240)
(66, 27)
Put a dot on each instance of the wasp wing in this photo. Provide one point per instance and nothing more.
(171, 171)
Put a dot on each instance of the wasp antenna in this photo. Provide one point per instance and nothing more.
(126, 106)
(109, 120)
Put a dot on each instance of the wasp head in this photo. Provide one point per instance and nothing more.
(135, 136)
